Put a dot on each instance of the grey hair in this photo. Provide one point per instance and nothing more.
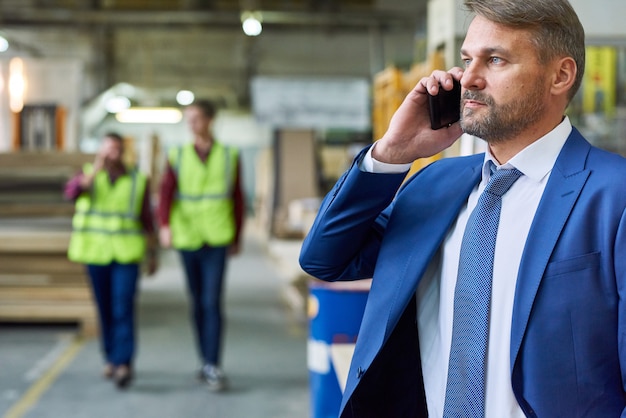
(554, 23)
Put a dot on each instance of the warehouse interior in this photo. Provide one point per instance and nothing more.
(299, 99)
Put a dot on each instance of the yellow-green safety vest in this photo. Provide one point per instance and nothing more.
(203, 210)
(106, 226)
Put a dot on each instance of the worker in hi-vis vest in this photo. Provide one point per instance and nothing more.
(112, 230)
(201, 211)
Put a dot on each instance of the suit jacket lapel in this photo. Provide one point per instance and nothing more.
(564, 186)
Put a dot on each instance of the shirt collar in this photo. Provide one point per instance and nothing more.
(537, 159)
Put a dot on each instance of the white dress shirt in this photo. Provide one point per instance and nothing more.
(435, 296)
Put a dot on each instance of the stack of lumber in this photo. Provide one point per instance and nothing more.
(37, 281)
(31, 183)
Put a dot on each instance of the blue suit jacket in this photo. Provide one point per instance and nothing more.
(568, 338)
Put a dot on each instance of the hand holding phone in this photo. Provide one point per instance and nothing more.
(445, 107)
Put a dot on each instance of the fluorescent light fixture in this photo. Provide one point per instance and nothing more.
(185, 97)
(251, 23)
(149, 115)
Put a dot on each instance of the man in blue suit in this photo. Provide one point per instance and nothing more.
(556, 344)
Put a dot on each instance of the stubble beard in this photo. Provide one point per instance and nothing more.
(502, 122)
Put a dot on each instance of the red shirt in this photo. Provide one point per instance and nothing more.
(169, 186)
(73, 189)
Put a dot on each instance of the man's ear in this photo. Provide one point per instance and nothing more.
(564, 76)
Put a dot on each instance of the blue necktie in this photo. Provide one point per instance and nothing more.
(465, 391)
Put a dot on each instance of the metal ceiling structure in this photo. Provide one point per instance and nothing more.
(125, 35)
(143, 13)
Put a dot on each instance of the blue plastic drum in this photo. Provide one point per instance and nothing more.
(335, 313)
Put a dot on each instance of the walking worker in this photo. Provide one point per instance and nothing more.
(201, 211)
(112, 229)
(499, 279)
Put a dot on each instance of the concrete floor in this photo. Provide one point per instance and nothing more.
(45, 371)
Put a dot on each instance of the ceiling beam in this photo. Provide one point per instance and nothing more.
(63, 17)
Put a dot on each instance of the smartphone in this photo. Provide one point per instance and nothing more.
(445, 107)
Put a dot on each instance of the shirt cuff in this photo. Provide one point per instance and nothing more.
(370, 165)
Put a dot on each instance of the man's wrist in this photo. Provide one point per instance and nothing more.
(370, 164)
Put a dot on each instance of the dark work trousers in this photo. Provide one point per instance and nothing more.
(114, 289)
(205, 269)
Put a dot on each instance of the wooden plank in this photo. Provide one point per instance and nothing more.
(34, 242)
(37, 263)
(50, 309)
(82, 313)
(43, 279)
(28, 294)
(15, 210)
(45, 159)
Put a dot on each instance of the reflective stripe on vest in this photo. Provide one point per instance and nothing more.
(202, 211)
(106, 225)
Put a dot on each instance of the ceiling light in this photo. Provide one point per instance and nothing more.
(117, 104)
(149, 115)
(4, 44)
(17, 85)
(251, 23)
(184, 97)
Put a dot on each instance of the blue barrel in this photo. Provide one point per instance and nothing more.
(335, 313)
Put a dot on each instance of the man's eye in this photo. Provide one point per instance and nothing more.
(496, 60)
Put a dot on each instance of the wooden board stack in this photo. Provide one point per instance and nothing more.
(37, 282)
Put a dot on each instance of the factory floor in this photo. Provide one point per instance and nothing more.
(48, 371)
